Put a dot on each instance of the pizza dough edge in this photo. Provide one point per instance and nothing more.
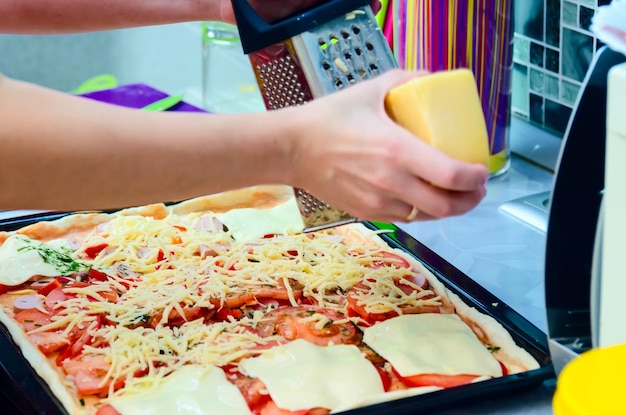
(41, 365)
(254, 196)
(80, 221)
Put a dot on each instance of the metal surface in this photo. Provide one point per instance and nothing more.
(319, 61)
(342, 52)
(532, 210)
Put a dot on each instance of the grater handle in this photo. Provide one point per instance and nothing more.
(257, 34)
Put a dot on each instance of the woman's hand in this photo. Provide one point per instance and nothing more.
(350, 154)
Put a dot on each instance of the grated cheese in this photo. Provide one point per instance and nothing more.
(160, 268)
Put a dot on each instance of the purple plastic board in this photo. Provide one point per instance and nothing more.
(137, 96)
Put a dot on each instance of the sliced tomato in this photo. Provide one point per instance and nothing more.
(253, 390)
(107, 409)
(224, 314)
(358, 310)
(93, 250)
(436, 379)
(505, 371)
(384, 377)
(45, 290)
(190, 313)
(78, 339)
(390, 259)
(288, 322)
(96, 275)
(355, 309)
(160, 256)
(88, 372)
(175, 319)
(261, 295)
(32, 319)
(49, 341)
(5, 288)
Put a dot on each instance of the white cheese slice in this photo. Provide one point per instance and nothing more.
(250, 223)
(191, 390)
(18, 264)
(431, 343)
(301, 375)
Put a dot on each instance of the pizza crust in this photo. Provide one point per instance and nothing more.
(76, 222)
(259, 197)
(41, 365)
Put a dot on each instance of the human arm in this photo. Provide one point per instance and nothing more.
(74, 16)
(65, 152)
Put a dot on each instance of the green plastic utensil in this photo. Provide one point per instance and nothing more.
(387, 226)
(163, 104)
(97, 83)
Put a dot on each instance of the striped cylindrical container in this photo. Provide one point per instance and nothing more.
(476, 34)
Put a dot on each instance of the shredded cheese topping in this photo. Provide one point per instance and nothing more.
(161, 270)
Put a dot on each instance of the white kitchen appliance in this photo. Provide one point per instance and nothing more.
(609, 279)
(585, 276)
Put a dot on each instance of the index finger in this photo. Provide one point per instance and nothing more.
(441, 170)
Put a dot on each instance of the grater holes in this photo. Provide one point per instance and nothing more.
(281, 86)
(333, 41)
(310, 204)
(323, 47)
(374, 68)
(356, 29)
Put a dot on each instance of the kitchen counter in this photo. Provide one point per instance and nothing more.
(504, 255)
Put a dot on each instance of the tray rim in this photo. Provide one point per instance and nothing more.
(532, 339)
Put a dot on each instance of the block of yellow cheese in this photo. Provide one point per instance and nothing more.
(443, 109)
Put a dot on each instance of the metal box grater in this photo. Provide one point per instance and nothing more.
(310, 54)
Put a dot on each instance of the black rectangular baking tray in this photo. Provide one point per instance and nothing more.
(23, 392)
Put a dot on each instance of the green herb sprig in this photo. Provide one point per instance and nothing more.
(60, 259)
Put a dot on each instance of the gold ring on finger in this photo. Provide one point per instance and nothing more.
(411, 216)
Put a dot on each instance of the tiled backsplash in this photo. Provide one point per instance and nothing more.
(553, 48)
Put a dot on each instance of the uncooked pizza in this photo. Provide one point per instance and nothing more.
(220, 305)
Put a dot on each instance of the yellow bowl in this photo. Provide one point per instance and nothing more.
(593, 383)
